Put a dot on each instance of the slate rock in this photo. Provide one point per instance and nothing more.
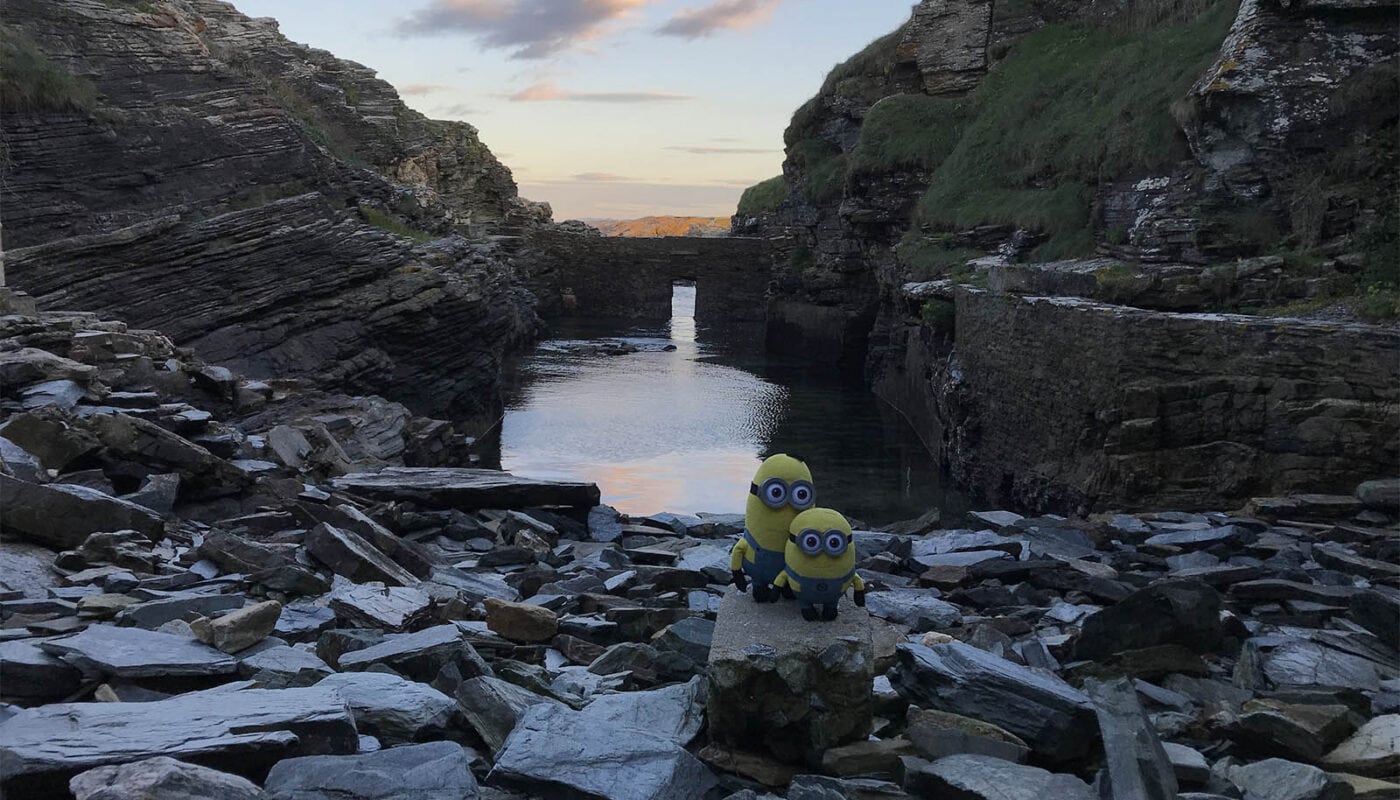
(419, 656)
(62, 516)
(138, 653)
(1373, 751)
(350, 555)
(303, 623)
(493, 707)
(1277, 779)
(1380, 495)
(1300, 662)
(675, 712)
(154, 613)
(392, 709)
(1185, 613)
(1197, 539)
(374, 605)
(1303, 732)
(938, 734)
(30, 674)
(161, 778)
(241, 555)
(1138, 765)
(467, 489)
(919, 609)
(972, 777)
(1054, 718)
(765, 668)
(553, 746)
(241, 731)
(283, 667)
(1189, 764)
(433, 771)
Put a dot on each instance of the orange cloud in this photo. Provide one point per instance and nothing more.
(548, 92)
(693, 23)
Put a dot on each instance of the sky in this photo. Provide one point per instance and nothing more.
(605, 108)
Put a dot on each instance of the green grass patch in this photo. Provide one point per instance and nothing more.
(29, 81)
(928, 257)
(1116, 276)
(763, 198)
(909, 130)
(385, 222)
(941, 315)
(1379, 303)
(822, 167)
(1072, 105)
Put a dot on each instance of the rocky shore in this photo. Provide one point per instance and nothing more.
(222, 588)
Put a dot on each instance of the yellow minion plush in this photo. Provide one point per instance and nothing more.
(820, 563)
(780, 490)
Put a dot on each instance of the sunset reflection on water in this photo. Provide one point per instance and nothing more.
(685, 430)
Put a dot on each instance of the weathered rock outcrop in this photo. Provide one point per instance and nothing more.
(228, 187)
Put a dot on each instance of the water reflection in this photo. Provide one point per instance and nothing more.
(684, 429)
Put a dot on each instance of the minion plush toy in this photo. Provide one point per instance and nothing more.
(820, 563)
(779, 492)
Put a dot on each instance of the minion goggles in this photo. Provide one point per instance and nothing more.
(776, 493)
(813, 542)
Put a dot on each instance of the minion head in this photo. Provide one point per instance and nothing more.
(781, 489)
(820, 544)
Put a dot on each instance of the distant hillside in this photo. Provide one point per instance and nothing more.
(663, 226)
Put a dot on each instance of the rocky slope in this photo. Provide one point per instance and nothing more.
(185, 167)
(1183, 158)
(663, 226)
(203, 595)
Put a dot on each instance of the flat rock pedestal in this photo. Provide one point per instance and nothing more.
(785, 687)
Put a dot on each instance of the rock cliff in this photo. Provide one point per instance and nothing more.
(185, 167)
(1186, 157)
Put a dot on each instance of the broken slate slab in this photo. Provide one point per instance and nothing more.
(467, 489)
(138, 653)
(971, 777)
(30, 674)
(154, 613)
(419, 656)
(348, 554)
(919, 609)
(553, 746)
(1054, 718)
(675, 712)
(493, 707)
(161, 778)
(434, 771)
(374, 605)
(241, 731)
(1138, 765)
(392, 709)
(63, 516)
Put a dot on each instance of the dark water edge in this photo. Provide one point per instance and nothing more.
(684, 429)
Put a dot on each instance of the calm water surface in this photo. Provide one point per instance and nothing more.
(683, 430)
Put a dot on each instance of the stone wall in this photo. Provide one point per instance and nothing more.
(1066, 404)
(588, 275)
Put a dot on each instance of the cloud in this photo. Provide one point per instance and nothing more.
(531, 28)
(547, 92)
(712, 151)
(420, 89)
(459, 110)
(600, 177)
(694, 23)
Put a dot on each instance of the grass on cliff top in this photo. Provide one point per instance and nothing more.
(29, 81)
(863, 75)
(1071, 106)
(763, 197)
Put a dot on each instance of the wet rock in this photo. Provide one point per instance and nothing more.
(1184, 613)
(375, 605)
(937, 734)
(434, 771)
(918, 609)
(520, 622)
(1373, 751)
(63, 516)
(138, 653)
(493, 707)
(32, 675)
(1276, 779)
(1051, 716)
(392, 709)
(161, 778)
(765, 670)
(1138, 766)
(239, 630)
(242, 731)
(970, 777)
(349, 555)
(553, 746)
(467, 489)
(419, 656)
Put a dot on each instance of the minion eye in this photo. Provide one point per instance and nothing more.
(775, 493)
(802, 495)
(810, 542)
(836, 543)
